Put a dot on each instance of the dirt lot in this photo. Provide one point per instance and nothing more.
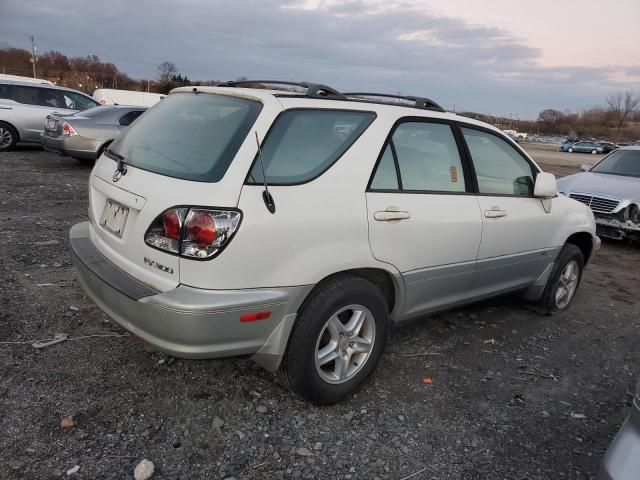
(509, 388)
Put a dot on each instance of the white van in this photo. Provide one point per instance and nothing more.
(108, 96)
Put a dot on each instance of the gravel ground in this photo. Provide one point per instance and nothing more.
(513, 395)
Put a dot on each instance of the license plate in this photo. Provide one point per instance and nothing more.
(51, 124)
(114, 217)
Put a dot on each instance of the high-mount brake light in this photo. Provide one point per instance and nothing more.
(192, 232)
(68, 130)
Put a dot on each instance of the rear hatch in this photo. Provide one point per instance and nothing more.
(190, 150)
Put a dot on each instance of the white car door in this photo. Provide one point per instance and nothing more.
(423, 218)
(517, 234)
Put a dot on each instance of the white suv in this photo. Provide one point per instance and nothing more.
(294, 227)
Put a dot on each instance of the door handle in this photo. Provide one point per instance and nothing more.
(390, 215)
(495, 212)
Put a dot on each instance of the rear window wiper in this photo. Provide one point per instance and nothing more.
(121, 169)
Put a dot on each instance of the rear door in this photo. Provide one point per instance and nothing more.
(31, 106)
(423, 217)
(517, 234)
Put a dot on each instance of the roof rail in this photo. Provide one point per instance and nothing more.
(418, 102)
(315, 90)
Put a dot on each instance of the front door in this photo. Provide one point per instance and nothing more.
(517, 232)
(423, 218)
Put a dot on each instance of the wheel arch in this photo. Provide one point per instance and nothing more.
(584, 241)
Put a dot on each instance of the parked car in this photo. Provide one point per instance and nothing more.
(566, 145)
(295, 227)
(108, 96)
(585, 147)
(622, 460)
(20, 78)
(85, 135)
(608, 147)
(611, 188)
(24, 107)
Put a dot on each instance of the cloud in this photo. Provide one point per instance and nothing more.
(370, 45)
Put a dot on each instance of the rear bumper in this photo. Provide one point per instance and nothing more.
(75, 146)
(622, 460)
(188, 322)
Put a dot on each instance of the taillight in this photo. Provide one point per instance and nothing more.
(68, 130)
(193, 232)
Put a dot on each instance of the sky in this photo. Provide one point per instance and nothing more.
(492, 56)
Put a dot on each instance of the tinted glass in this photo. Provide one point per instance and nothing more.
(4, 91)
(620, 162)
(76, 101)
(25, 95)
(428, 157)
(386, 177)
(189, 136)
(128, 118)
(500, 169)
(304, 143)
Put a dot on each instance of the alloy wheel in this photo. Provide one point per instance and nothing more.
(567, 284)
(345, 344)
(5, 137)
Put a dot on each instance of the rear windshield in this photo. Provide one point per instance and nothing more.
(189, 136)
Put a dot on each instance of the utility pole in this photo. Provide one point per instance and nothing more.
(33, 55)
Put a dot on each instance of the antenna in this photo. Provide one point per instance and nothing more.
(266, 196)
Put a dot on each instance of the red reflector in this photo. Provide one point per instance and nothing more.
(171, 223)
(252, 317)
(202, 229)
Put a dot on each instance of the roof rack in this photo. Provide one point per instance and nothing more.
(315, 90)
(418, 102)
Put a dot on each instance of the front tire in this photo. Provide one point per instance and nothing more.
(570, 150)
(337, 340)
(8, 137)
(563, 282)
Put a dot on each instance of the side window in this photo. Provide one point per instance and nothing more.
(4, 91)
(386, 177)
(75, 101)
(25, 95)
(303, 144)
(128, 118)
(48, 97)
(500, 169)
(427, 157)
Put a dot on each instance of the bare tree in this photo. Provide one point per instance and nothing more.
(621, 105)
(166, 70)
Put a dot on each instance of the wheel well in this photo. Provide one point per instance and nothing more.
(380, 278)
(103, 148)
(584, 241)
(14, 129)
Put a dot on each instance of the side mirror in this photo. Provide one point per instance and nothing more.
(585, 167)
(545, 186)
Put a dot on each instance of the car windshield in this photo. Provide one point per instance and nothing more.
(620, 162)
(192, 136)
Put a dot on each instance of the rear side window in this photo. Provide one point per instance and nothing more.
(303, 144)
(189, 136)
(427, 158)
(500, 169)
(25, 95)
(4, 91)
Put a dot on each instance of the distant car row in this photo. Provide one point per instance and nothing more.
(587, 146)
(64, 120)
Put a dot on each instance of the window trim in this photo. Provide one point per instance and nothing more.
(535, 170)
(247, 179)
(468, 174)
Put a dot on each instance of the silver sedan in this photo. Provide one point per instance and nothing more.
(611, 188)
(85, 135)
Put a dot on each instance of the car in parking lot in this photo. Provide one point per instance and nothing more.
(584, 147)
(85, 135)
(608, 147)
(25, 105)
(622, 460)
(296, 226)
(611, 188)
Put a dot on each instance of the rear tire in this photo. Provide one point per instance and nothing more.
(563, 282)
(594, 151)
(8, 137)
(337, 340)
